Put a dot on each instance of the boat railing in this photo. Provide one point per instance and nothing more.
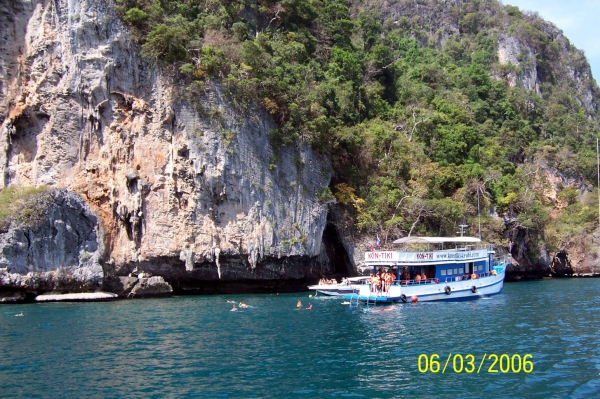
(417, 282)
(473, 247)
(473, 276)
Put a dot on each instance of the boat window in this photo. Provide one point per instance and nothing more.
(455, 271)
(461, 270)
(443, 272)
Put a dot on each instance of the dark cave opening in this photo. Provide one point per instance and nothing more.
(340, 264)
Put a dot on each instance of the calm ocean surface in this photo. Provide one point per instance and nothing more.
(197, 347)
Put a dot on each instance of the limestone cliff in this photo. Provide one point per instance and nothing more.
(197, 197)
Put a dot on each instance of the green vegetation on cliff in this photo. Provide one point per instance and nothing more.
(424, 125)
(26, 206)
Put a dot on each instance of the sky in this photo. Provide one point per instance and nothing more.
(578, 19)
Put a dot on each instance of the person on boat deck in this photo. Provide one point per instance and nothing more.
(299, 304)
(418, 278)
(387, 281)
(404, 274)
(374, 282)
(423, 277)
(344, 281)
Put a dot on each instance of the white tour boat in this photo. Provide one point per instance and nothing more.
(442, 268)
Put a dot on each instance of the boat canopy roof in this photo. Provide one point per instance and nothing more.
(435, 240)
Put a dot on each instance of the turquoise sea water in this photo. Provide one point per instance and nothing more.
(197, 347)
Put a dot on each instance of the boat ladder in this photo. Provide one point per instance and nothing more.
(357, 299)
(373, 297)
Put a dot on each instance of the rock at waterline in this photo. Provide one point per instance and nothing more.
(83, 296)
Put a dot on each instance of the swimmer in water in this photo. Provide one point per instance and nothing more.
(309, 306)
(299, 304)
(243, 305)
(20, 314)
(233, 309)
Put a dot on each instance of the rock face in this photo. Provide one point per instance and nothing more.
(581, 260)
(151, 286)
(512, 52)
(184, 186)
(528, 74)
(530, 258)
(560, 265)
(138, 286)
(61, 252)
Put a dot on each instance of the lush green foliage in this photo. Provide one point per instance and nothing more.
(423, 132)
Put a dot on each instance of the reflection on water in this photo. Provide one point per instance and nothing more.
(194, 346)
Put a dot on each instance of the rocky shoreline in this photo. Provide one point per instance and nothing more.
(116, 288)
(64, 252)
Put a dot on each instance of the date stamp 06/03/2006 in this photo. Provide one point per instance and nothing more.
(469, 363)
